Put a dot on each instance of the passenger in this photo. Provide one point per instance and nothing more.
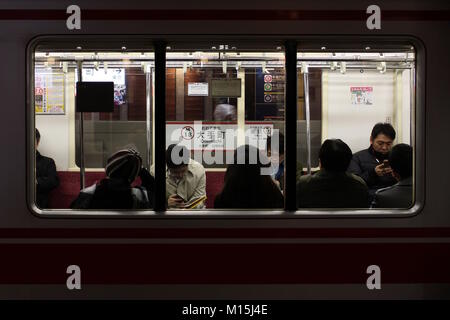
(277, 160)
(332, 186)
(225, 112)
(46, 176)
(246, 187)
(372, 164)
(115, 191)
(400, 194)
(185, 178)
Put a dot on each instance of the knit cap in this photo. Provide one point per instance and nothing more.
(124, 164)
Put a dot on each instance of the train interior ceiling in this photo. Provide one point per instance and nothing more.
(348, 92)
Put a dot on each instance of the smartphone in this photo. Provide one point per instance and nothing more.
(386, 164)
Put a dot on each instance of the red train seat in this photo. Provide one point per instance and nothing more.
(69, 187)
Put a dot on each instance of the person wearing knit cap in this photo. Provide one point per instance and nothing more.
(124, 165)
(115, 191)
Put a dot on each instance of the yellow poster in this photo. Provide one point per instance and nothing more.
(49, 92)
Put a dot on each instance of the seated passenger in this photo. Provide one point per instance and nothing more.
(332, 186)
(371, 164)
(225, 112)
(185, 178)
(115, 191)
(246, 186)
(400, 194)
(277, 161)
(46, 176)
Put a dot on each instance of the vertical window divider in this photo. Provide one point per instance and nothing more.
(290, 122)
(160, 127)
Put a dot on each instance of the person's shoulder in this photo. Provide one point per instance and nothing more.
(305, 179)
(47, 159)
(356, 178)
(363, 152)
(195, 166)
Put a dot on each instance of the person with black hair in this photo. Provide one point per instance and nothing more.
(332, 186)
(372, 164)
(246, 186)
(46, 176)
(400, 194)
(115, 191)
(185, 178)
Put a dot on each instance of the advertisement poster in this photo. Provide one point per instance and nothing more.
(362, 95)
(49, 92)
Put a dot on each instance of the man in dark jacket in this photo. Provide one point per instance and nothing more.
(332, 186)
(46, 176)
(399, 195)
(116, 191)
(372, 164)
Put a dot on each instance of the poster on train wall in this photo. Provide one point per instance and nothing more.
(361, 95)
(198, 89)
(216, 136)
(49, 92)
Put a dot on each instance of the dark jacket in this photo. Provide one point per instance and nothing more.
(327, 189)
(399, 195)
(363, 164)
(245, 188)
(279, 175)
(46, 179)
(117, 194)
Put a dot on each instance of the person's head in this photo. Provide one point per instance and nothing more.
(335, 155)
(225, 112)
(37, 137)
(248, 155)
(177, 160)
(124, 165)
(401, 162)
(280, 144)
(246, 186)
(382, 137)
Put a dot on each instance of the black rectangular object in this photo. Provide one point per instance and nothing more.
(95, 97)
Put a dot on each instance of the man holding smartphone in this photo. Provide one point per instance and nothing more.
(372, 164)
(185, 178)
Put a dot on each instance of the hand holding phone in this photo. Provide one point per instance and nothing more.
(387, 170)
(175, 201)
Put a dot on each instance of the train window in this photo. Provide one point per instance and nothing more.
(359, 103)
(76, 153)
(223, 103)
(227, 107)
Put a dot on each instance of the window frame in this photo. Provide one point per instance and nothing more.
(291, 43)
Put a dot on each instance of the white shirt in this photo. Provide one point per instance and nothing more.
(191, 186)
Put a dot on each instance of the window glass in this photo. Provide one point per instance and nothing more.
(127, 125)
(344, 98)
(219, 101)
